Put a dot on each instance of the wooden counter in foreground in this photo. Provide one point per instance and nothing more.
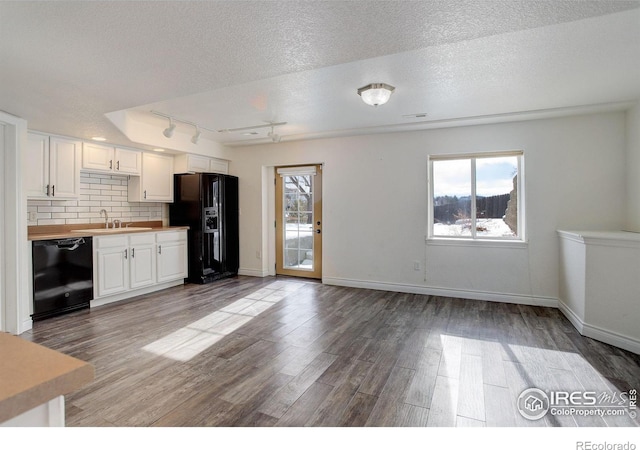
(32, 375)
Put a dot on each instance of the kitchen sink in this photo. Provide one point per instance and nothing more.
(111, 230)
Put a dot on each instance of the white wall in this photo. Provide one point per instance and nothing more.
(633, 170)
(375, 204)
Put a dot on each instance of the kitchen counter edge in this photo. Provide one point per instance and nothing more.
(72, 234)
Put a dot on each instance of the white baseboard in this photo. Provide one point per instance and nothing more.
(135, 293)
(253, 272)
(26, 325)
(445, 292)
(600, 334)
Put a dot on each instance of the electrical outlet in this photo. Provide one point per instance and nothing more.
(416, 265)
(258, 256)
(32, 216)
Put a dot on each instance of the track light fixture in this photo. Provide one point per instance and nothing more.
(196, 137)
(274, 137)
(168, 132)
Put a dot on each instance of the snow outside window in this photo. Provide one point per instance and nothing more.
(476, 196)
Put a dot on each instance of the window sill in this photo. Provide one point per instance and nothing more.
(483, 243)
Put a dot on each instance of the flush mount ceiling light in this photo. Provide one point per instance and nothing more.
(168, 132)
(99, 138)
(375, 94)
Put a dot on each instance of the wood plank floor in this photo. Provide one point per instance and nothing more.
(286, 352)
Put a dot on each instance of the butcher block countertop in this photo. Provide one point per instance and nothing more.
(42, 232)
(31, 375)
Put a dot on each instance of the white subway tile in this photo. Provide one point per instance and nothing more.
(51, 222)
(110, 181)
(44, 216)
(110, 203)
(100, 198)
(78, 209)
(88, 215)
(64, 215)
(50, 209)
(76, 221)
(39, 202)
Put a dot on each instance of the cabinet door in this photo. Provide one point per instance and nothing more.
(142, 263)
(127, 161)
(97, 157)
(64, 167)
(198, 163)
(113, 273)
(172, 261)
(219, 166)
(157, 178)
(36, 176)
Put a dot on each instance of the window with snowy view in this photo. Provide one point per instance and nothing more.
(476, 196)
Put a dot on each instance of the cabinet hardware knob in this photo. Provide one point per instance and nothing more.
(111, 164)
(145, 194)
(118, 165)
(133, 252)
(53, 190)
(48, 191)
(125, 253)
(160, 249)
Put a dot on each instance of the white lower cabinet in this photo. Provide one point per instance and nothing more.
(126, 263)
(172, 255)
(142, 260)
(111, 265)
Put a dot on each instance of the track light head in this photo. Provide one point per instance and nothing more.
(196, 137)
(168, 132)
(274, 137)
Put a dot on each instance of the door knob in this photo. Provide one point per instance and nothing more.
(318, 231)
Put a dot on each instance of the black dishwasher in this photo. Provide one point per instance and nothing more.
(62, 276)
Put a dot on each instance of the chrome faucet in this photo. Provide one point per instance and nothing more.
(106, 217)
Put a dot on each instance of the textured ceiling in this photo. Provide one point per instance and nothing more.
(64, 65)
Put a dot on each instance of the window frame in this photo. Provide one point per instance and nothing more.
(520, 237)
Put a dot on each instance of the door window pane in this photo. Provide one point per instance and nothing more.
(298, 220)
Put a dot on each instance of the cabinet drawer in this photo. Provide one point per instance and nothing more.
(142, 238)
(171, 236)
(110, 241)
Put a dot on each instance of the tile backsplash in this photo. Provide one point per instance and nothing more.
(97, 191)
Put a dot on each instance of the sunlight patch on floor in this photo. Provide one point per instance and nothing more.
(194, 338)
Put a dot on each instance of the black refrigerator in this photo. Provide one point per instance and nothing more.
(208, 204)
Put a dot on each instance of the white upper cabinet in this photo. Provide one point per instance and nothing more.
(188, 163)
(53, 167)
(155, 183)
(102, 158)
(128, 161)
